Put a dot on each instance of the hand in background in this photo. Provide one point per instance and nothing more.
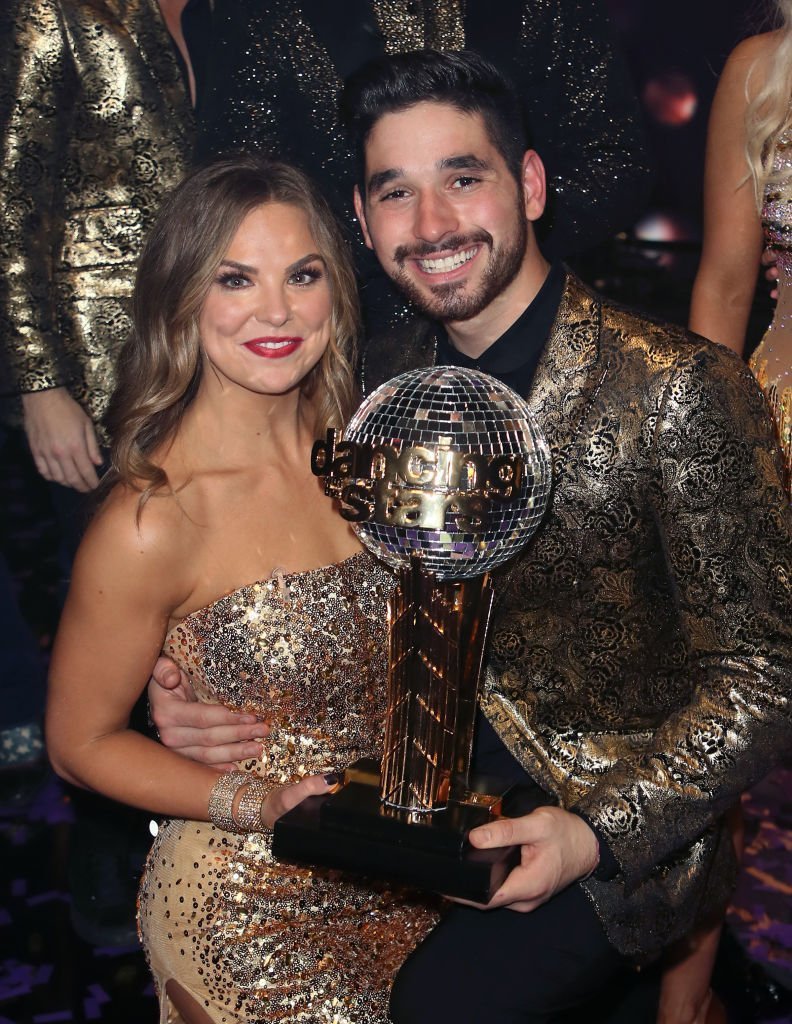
(208, 733)
(62, 439)
(769, 258)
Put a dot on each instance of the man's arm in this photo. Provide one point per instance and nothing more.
(726, 526)
(37, 90)
(209, 733)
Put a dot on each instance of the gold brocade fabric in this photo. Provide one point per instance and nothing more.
(772, 360)
(95, 125)
(252, 939)
(640, 663)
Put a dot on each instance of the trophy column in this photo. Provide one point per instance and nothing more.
(437, 632)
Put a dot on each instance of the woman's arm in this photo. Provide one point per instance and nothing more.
(126, 582)
(726, 279)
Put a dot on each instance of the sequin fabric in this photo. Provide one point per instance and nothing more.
(580, 104)
(95, 126)
(640, 663)
(772, 360)
(250, 938)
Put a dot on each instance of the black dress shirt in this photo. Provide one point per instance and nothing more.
(513, 359)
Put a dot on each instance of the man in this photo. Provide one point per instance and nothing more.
(639, 670)
(272, 75)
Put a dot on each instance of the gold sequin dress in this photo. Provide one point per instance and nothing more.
(249, 938)
(772, 360)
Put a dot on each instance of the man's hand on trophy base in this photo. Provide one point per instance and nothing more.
(557, 848)
(209, 733)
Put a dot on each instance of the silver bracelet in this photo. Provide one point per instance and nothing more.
(221, 800)
(248, 815)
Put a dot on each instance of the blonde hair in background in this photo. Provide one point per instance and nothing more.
(160, 365)
(769, 113)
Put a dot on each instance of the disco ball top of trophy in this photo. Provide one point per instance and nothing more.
(466, 411)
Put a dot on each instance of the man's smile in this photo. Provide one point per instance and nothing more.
(445, 264)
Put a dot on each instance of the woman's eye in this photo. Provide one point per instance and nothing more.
(232, 281)
(305, 276)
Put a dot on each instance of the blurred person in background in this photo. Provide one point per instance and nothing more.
(95, 125)
(747, 206)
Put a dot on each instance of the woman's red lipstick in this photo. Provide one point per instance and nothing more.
(273, 348)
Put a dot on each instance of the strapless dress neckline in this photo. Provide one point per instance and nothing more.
(275, 576)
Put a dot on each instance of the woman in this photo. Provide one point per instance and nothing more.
(748, 204)
(747, 196)
(216, 545)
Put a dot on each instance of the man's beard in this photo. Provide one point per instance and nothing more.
(450, 301)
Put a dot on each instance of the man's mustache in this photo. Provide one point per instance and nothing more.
(424, 250)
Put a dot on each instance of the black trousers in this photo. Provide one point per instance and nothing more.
(503, 967)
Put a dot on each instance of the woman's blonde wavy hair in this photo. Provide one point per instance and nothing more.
(160, 365)
(769, 112)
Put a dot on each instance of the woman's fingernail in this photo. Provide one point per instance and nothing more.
(332, 778)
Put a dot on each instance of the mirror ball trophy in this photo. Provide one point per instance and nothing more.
(444, 476)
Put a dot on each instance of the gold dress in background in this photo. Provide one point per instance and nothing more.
(95, 127)
(772, 360)
(252, 939)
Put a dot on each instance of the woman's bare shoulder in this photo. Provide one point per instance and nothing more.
(144, 545)
(753, 53)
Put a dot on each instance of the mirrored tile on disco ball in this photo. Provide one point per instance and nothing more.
(469, 412)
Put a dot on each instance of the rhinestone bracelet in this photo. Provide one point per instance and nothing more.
(248, 815)
(221, 800)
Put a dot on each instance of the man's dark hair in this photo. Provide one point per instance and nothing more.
(460, 78)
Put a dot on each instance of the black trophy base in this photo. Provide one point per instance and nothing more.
(351, 830)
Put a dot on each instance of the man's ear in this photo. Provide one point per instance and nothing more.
(534, 185)
(360, 213)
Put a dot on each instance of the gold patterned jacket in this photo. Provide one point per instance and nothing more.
(640, 656)
(95, 125)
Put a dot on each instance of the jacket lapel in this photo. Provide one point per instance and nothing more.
(570, 371)
(566, 381)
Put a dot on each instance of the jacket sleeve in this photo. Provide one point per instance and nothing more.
(585, 123)
(37, 90)
(726, 527)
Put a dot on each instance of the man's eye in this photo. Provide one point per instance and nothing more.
(465, 181)
(395, 193)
